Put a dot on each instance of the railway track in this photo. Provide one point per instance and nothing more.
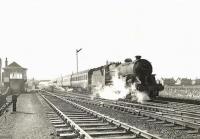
(178, 114)
(72, 120)
(176, 106)
(4, 104)
(4, 107)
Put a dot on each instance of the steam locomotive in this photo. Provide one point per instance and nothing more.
(137, 73)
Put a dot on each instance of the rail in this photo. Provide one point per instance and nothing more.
(133, 129)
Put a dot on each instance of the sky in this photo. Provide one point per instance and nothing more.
(43, 35)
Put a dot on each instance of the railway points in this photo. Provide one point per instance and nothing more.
(188, 122)
(91, 124)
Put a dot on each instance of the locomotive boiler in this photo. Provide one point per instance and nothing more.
(139, 73)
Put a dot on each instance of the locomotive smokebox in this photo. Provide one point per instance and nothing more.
(142, 67)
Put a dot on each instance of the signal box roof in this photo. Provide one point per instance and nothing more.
(14, 65)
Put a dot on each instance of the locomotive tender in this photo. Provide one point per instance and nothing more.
(137, 73)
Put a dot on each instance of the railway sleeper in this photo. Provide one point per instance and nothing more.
(57, 122)
(107, 133)
(62, 130)
(68, 135)
(86, 120)
(79, 118)
(122, 137)
(107, 128)
(54, 118)
(61, 126)
(77, 113)
(193, 131)
(94, 122)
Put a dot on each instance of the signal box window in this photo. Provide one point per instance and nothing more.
(15, 75)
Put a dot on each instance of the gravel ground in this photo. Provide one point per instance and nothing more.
(29, 122)
(151, 127)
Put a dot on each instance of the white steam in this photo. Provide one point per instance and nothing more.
(141, 96)
(119, 90)
(113, 92)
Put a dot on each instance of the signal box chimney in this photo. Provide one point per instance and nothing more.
(6, 62)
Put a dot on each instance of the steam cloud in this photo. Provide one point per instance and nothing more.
(118, 90)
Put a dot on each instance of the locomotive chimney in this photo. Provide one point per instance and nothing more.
(6, 62)
(138, 57)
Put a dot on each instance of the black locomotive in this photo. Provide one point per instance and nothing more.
(137, 73)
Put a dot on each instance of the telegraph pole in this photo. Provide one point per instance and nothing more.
(77, 51)
(0, 70)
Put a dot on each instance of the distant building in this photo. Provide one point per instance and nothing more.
(31, 84)
(196, 82)
(183, 81)
(168, 81)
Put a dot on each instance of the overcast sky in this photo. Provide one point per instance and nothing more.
(42, 35)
